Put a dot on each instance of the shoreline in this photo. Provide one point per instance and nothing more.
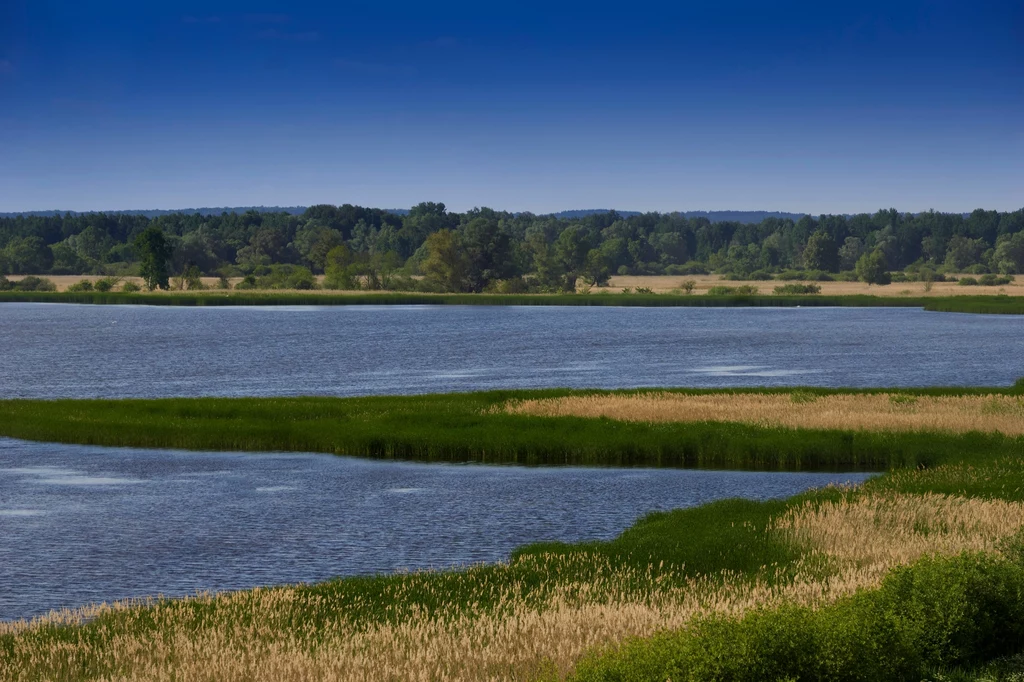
(986, 304)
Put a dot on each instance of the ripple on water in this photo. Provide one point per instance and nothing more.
(21, 512)
(88, 480)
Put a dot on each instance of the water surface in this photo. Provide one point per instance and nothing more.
(84, 524)
(64, 350)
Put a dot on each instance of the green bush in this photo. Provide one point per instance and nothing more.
(791, 289)
(33, 283)
(938, 613)
(743, 290)
(83, 285)
(130, 287)
(106, 284)
(968, 282)
(688, 268)
(991, 280)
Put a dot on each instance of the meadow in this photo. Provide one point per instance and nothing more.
(918, 574)
(663, 284)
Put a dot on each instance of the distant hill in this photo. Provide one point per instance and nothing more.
(713, 216)
(155, 212)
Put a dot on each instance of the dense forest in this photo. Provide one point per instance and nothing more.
(432, 249)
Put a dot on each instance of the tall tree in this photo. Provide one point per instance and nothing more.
(821, 252)
(446, 265)
(153, 251)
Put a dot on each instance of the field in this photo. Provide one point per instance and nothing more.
(918, 574)
(663, 284)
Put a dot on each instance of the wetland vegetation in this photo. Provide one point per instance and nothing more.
(768, 429)
(918, 574)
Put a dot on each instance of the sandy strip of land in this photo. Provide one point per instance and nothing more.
(664, 284)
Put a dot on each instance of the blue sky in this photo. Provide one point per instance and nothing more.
(797, 106)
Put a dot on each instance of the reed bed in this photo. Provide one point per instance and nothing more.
(478, 427)
(295, 633)
(869, 412)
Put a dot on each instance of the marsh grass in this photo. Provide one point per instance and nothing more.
(886, 412)
(478, 427)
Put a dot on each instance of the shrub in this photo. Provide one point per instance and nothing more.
(106, 284)
(33, 283)
(644, 290)
(688, 268)
(847, 276)
(760, 275)
(513, 285)
(83, 285)
(743, 290)
(991, 280)
(968, 282)
(130, 287)
(687, 286)
(937, 613)
(248, 282)
(791, 289)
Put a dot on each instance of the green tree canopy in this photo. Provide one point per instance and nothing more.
(153, 251)
(821, 253)
(873, 269)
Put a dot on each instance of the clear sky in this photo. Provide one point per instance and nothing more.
(798, 106)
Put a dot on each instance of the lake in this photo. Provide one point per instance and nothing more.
(85, 524)
(78, 351)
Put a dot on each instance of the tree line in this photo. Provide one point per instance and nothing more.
(434, 249)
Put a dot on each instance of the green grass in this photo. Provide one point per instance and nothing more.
(467, 428)
(963, 304)
(934, 615)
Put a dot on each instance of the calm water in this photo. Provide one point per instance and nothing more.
(83, 524)
(53, 350)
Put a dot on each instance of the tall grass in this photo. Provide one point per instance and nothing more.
(872, 412)
(475, 428)
(964, 304)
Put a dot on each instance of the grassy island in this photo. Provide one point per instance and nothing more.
(916, 575)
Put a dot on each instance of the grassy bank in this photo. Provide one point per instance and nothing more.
(964, 304)
(490, 427)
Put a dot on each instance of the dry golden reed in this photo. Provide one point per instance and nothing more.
(247, 637)
(872, 412)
